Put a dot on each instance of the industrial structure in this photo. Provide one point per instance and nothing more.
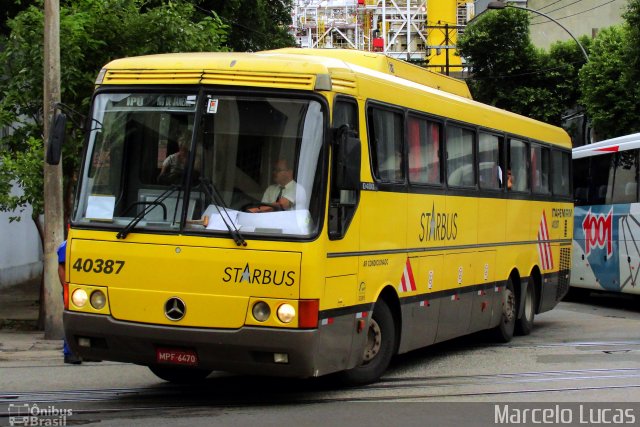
(419, 31)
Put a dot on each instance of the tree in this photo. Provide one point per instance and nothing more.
(511, 73)
(605, 85)
(254, 24)
(92, 32)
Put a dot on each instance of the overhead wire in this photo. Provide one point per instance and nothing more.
(574, 14)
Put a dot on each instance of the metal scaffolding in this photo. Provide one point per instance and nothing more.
(405, 29)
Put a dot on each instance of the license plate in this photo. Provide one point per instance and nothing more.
(175, 356)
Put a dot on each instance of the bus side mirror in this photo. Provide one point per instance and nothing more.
(347, 159)
(56, 139)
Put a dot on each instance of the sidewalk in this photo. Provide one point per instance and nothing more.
(19, 339)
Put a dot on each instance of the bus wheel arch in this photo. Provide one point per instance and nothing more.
(382, 340)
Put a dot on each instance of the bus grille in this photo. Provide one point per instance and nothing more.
(563, 273)
(152, 77)
(294, 81)
(289, 80)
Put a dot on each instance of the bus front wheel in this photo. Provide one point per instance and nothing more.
(178, 374)
(379, 348)
(504, 331)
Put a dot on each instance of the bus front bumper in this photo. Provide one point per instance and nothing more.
(248, 350)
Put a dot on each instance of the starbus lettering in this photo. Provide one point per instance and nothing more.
(598, 232)
(438, 226)
(258, 276)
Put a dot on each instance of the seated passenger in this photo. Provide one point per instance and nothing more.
(174, 165)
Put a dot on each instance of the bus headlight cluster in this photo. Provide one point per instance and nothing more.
(98, 300)
(261, 311)
(286, 313)
(79, 297)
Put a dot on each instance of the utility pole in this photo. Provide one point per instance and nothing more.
(53, 209)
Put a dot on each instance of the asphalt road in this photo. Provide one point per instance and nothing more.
(581, 364)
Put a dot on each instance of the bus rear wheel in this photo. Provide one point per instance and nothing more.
(379, 348)
(524, 325)
(179, 375)
(504, 331)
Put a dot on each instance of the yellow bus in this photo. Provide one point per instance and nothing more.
(303, 212)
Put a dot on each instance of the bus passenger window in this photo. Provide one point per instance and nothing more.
(540, 169)
(489, 174)
(346, 113)
(561, 173)
(424, 151)
(460, 157)
(624, 186)
(385, 138)
(517, 163)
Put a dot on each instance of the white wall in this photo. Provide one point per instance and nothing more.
(20, 248)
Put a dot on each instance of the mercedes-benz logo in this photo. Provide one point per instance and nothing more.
(175, 309)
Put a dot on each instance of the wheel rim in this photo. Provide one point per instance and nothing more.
(374, 341)
(508, 306)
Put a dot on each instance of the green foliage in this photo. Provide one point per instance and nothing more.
(605, 84)
(92, 32)
(510, 73)
(23, 168)
(254, 24)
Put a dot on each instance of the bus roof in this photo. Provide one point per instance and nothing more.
(323, 69)
(186, 67)
(613, 145)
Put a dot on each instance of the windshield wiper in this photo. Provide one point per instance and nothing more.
(218, 202)
(150, 206)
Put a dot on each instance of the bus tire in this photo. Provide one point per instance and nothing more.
(504, 331)
(179, 375)
(524, 325)
(379, 349)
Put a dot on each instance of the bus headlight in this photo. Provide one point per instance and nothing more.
(261, 311)
(98, 300)
(286, 313)
(79, 297)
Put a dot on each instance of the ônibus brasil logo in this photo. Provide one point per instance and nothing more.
(598, 232)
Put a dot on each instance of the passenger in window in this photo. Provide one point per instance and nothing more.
(509, 179)
(174, 165)
(284, 194)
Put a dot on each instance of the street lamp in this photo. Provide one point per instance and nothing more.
(502, 5)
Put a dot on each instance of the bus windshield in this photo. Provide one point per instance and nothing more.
(244, 163)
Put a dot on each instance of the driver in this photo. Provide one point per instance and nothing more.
(281, 195)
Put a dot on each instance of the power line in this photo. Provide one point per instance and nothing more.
(562, 7)
(550, 4)
(574, 14)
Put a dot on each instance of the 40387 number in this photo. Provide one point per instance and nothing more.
(98, 265)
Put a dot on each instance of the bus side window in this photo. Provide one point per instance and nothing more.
(424, 145)
(342, 203)
(460, 163)
(561, 173)
(385, 138)
(624, 188)
(346, 113)
(518, 165)
(488, 160)
(540, 169)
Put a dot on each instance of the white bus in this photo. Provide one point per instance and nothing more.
(606, 242)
